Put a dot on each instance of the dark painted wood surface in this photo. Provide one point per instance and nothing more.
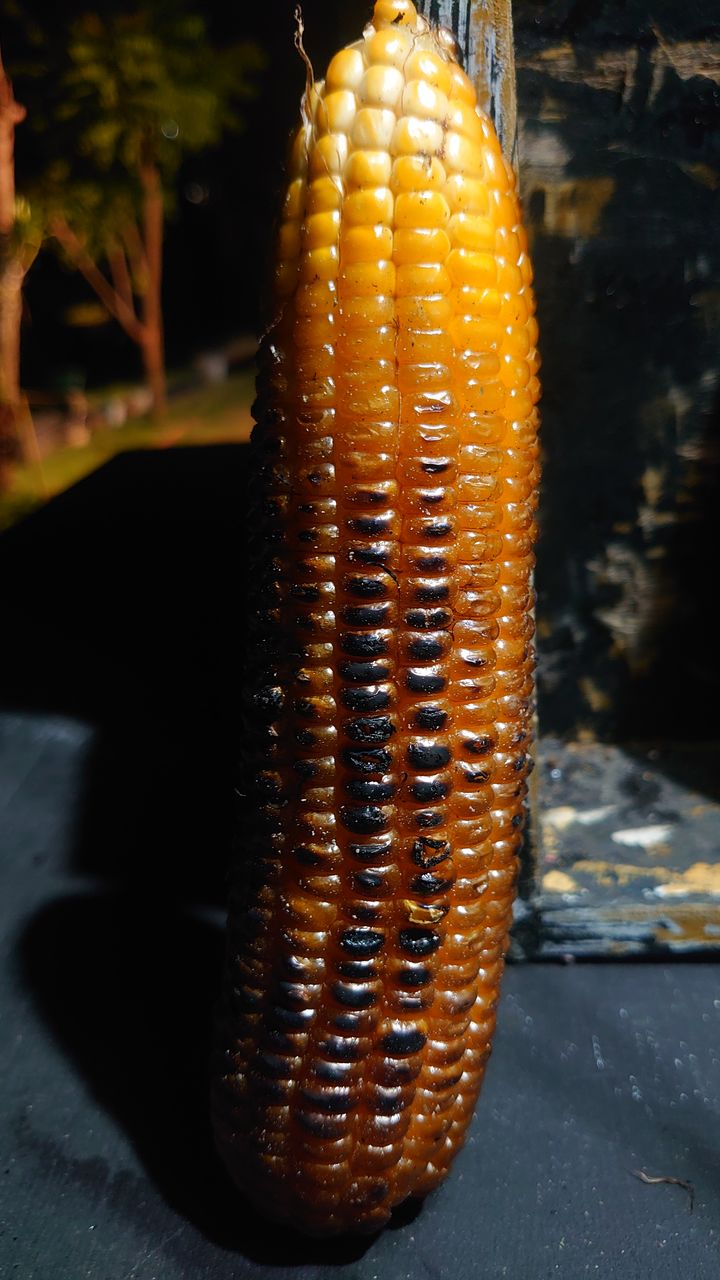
(106, 987)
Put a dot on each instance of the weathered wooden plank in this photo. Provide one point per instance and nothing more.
(484, 31)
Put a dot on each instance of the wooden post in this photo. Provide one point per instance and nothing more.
(484, 31)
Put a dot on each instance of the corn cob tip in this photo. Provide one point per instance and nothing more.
(394, 13)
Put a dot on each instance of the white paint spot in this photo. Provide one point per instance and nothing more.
(643, 837)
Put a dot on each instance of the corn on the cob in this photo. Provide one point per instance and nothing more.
(390, 675)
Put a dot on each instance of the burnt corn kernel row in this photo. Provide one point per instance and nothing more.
(389, 679)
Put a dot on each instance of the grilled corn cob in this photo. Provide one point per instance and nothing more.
(390, 673)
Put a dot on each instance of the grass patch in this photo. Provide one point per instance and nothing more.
(209, 415)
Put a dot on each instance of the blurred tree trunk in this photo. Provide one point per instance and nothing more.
(12, 274)
(153, 342)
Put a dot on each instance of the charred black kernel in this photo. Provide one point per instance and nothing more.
(369, 881)
(294, 994)
(367, 912)
(348, 1021)
(353, 996)
(479, 746)
(431, 564)
(272, 1090)
(306, 768)
(329, 1128)
(365, 699)
(426, 648)
(365, 588)
(308, 535)
(373, 497)
(426, 884)
(363, 818)
(379, 554)
(268, 787)
(341, 1048)
(369, 615)
(428, 818)
(415, 975)
(362, 942)
(273, 1065)
(428, 619)
(428, 789)
(358, 970)
(476, 775)
(294, 1019)
(438, 529)
(248, 999)
(427, 592)
(304, 737)
(306, 856)
(370, 729)
(517, 820)
(372, 526)
(306, 708)
(431, 497)
(370, 852)
(419, 941)
(364, 789)
(403, 1042)
(364, 644)
(435, 466)
(389, 1102)
(417, 680)
(364, 672)
(279, 1040)
(333, 1104)
(396, 1071)
(427, 852)
(373, 761)
(519, 764)
(334, 1072)
(421, 756)
(269, 699)
(430, 718)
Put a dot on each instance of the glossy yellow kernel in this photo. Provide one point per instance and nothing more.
(323, 194)
(468, 332)
(413, 136)
(465, 194)
(373, 127)
(363, 279)
(394, 13)
(321, 229)
(366, 243)
(430, 312)
(461, 155)
(422, 280)
(424, 101)
(319, 264)
(316, 298)
(346, 70)
(429, 376)
(288, 240)
(367, 344)
(472, 231)
(369, 312)
(426, 65)
(420, 244)
(418, 173)
(368, 169)
(421, 209)
(328, 155)
(463, 118)
(424, 344)
(295, 199)
(389, 47)
(339, 110)
(368, 206)
(461, 86)
(467, 268)
(381, 86)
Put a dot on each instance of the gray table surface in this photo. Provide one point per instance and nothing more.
(107, 1168)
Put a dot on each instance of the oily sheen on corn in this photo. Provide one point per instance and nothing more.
(390, 669)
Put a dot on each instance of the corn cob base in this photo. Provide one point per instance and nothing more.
(390, 674)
